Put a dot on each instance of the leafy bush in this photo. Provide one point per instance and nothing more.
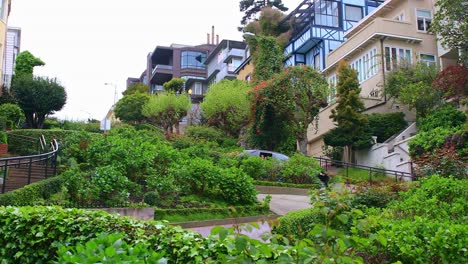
(3, 137)
(151, 198)
(378, 196)
(444, 117)
(205, 132)
(256, 167)
(12, 115)
(300, 169)
(236, 187)
(34, 193)
(298, 224)
(385, 125)
(284, 184)
(108, 248)
(427, 141)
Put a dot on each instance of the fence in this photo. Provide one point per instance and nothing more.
(327, 163)
(16, 172)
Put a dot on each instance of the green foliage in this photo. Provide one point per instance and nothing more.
(226, 106)
(300, 169)
(152, 198)
(205, 132)
(38, 97)
(34, 193)
(258, 168)
(3, 137)
(385, 125)
(167, 109)
(284, 184)
(267, 56)
(347, 115)
(135, 88)
(298, 224)
(25, 63)
(445, 116)
(450, 24)
(426, 141)
(175, 85)
(109, 248)
(412, 85)
(129, 108)
(26, 141)
(12, 115)
(270, 23)
(375, 196)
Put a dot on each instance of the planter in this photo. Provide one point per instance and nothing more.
(3, 149)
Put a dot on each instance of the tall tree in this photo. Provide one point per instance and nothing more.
(167, 109)
(38, 97)
(451, 25)
(252, 7)
(136, 88)
(25, 63)
(226, 106)
(350, 121)
(295, 96)
(270, 24)
(129, 108)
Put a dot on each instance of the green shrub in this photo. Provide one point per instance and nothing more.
(378, 196)
(32, 194)
(152, 198)
(285, 184)
(446, 116)
(12, 115)
(427, 141)
(385, 125)
(3, 137)
(108, 248)
(236, 187)
(298, 224)
(255, 167)
(205, 132)
(300, 169)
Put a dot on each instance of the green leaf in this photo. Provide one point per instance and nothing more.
(343, 218)
(241, 243)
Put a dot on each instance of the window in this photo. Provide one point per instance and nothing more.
(396, 56)
(234, 64)
(427, 59)
(332, 85)
(353, 13)
(366, 65)
(424, 20)
(317, 62)
(400, 17)
(197, 88)
(326, 13)
(248, 78)
(193, 59)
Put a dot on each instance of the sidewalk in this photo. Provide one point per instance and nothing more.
(282, 204)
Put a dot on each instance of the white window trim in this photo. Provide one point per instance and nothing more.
(370, 70)
(401, 17)
(416, 15)
(398, 57)
(425, 61)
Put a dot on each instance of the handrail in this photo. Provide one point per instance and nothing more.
(397, 174)
(49, 159)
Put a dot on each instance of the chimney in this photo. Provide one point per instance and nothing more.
(217, 39)
(212, 35)
(208, 38)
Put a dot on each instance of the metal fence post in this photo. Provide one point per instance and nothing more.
(4, 176)
(29, 170)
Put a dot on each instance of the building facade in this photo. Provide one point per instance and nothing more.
(223, 61)
(12, 48)
(5, 6)
(395, 32)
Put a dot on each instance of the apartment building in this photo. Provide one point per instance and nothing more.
(5, 6)
(12, 48)
(223, 61)
(179, 61)
(393, 33)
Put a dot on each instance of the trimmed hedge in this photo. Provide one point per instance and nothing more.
(234, 211)
(33, 194)
(299, 223)
(22, 147)
(288, 185)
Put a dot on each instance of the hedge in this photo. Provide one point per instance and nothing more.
(32, 194)
(22, 147)
(288, 185)
(299, 223)
(234, 211)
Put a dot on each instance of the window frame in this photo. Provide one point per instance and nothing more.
(426, 29)
(355, 6)
(393, 64)
(427, 62)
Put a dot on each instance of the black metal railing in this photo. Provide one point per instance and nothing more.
(327, 163)
(46, 164)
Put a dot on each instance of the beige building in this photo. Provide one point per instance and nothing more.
(395, 32)
(4, 13)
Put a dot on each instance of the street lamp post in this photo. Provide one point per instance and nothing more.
(115, 90)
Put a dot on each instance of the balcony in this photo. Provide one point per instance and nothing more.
(373, 31)
(162, 68)
(233, 53)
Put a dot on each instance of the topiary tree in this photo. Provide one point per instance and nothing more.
(167, 109)
(129, 108)
(38, 97)
(175, 85)
(252, 7)
(270, 24)
(294, 97)
(350, 121)
(136, 88)
(226, 106)
(25, 63)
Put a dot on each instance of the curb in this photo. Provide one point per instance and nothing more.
(227, 221)
(262, 189)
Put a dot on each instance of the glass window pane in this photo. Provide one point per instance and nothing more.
(353, 13)
(424, 13)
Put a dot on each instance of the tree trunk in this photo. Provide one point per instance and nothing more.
(302, 142)
(177, 128)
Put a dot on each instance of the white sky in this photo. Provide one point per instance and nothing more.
(86, 43)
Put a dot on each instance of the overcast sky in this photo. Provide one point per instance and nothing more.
(86, 43)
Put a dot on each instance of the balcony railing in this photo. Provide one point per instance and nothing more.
(162, 67)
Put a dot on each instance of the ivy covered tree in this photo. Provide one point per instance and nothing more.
(129, 108)
(252, 7)
(293, 96)
(450, 24)
(175, 85)
(226, 106)
(267, 56)
(351, 123)
(25, 63)
(167, 109)
(38, 97)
